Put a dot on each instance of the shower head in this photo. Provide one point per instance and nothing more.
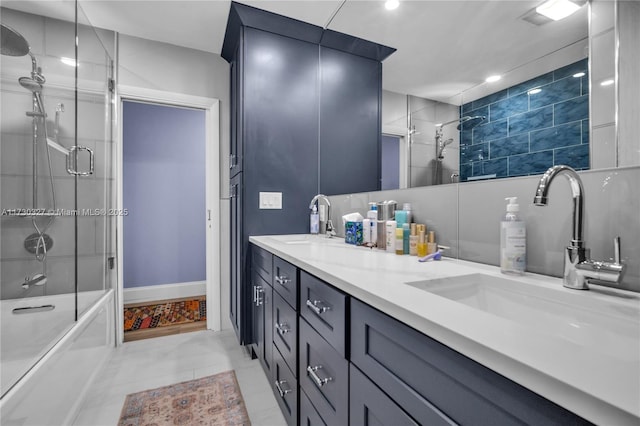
(13, 43)
(35, 87)
(30, 84)
(470, 122)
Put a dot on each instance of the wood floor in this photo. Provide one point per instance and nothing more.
(148, 333)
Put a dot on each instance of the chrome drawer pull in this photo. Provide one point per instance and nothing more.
(281, 391)
(318, 309)
(312, 372)
(282, 279)
(282, 328)
(259, 290)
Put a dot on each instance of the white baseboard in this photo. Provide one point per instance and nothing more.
(164, 291)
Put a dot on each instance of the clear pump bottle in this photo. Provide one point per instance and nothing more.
(513, 240)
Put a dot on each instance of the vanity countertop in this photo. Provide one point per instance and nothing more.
(597, 377)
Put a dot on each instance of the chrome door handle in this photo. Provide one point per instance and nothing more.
(255, 295)
(318, 309)
(259, 290)
(281, 391)
(312, 372)
(282, 328)
(72, 161)
(282, 279)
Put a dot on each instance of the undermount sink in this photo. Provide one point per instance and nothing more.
(610, 322)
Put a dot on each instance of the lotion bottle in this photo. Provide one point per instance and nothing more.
(400, 241)
(422, 244)
(314, 220)
(432, 247)
(405, 238)
(390, 228)
(413, 240)
(513, 240)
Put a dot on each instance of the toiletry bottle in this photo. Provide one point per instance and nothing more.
(432, 247)
(405, 238)
(513, 240)
(401, 218)
(399, 241)
(314, 220)
(413, 240)
(407, 208)
(322, 216)
(422, 243)
(390, 228)
(370, 227)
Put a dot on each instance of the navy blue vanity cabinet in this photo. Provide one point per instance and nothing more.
(278, 133)
(350, 122)
(429, 380)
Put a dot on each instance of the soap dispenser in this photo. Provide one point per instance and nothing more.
(314, 219)
(513, 240)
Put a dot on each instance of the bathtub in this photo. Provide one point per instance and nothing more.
(48, 359)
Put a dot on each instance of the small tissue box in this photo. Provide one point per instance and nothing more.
(353, 233)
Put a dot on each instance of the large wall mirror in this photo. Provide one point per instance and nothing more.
(443, 122)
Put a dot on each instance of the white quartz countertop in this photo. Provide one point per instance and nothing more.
(595, 375)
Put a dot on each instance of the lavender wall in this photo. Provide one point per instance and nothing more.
(164, 193)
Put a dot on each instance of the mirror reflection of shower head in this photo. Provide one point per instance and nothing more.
(470, 122)
(13, 43)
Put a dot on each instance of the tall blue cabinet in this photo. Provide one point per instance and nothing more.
(305, 119)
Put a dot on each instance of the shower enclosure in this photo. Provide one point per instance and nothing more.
(57, 190)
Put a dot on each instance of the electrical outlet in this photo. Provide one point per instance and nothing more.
(271, 200)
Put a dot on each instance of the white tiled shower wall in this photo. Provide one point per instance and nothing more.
(467, 217)
(50, 40)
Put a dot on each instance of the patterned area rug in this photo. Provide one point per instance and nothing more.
(214, 400)
(163, 314)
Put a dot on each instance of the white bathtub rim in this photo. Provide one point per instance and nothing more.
(68, 337)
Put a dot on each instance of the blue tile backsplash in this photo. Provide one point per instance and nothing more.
(527, 132)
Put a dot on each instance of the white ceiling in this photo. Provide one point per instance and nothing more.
(444, 47)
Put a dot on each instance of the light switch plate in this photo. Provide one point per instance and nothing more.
(271, 200)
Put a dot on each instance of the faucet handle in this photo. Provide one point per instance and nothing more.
(616, 250)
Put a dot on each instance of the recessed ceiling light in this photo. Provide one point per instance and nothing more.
(534, 91)
(493, 78)
(557, 9)
(391, 4)
(608, 82)
(579, 74)
(68, 61)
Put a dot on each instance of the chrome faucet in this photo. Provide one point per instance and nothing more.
(579, 270)
(330, 231)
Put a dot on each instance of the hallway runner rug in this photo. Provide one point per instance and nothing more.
(166, 313)
(213, 400)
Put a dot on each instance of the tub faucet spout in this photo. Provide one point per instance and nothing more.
(579, 270)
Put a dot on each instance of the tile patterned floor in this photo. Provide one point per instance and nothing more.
(147, 364)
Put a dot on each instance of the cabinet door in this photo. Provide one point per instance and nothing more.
(235, 151)
(369, 406)
(425, 377)
(280, 130)
(235, 299)
(285, 388)
(259, 288)
(350, 122)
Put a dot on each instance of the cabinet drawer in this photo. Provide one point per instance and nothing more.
(325, 308)
(324, 376)
(308, 414)
(285, 331)
(422, 375)
(285, 388)
(262, 263)
(368, 405)
(285, 280)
